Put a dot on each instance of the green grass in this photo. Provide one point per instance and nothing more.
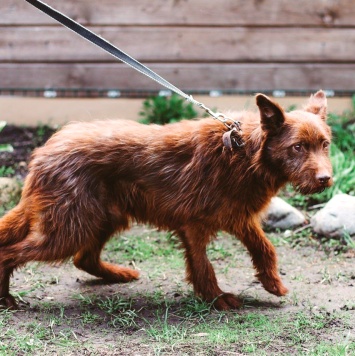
(33, 337)
(251, 333)
(144, 246)
(304, 237)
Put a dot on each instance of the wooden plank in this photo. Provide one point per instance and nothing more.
(196, 12)
(256, 77)
(188, 44)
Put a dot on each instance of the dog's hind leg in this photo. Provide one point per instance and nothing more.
(14, 228)
(264, 258)
(6, 299)
(199, 271)
(34, 247)
(88, 260)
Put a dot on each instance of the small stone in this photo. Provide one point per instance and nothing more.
(10, 190)
(336, 218)
(287, 233)
(281, 215)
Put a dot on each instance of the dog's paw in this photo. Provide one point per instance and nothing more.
(227, 301)
(273, 285)
(119, 274)
(8, 302)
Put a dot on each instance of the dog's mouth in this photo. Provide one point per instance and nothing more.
(311, 190)
(312, 186)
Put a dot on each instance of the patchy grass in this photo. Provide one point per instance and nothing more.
(66, 312)
(305, 237)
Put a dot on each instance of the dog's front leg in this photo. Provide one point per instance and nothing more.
(199, 271)
(264, 257)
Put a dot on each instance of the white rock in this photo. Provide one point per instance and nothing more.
(10, 190)
(336, 218)
(282, 215)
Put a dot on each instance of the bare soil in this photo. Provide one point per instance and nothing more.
(23, 140)
(321, 286)
(324, 280)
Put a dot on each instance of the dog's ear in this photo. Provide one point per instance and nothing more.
(271, 114)
(317, 104)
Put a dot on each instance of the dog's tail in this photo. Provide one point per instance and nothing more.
(14, 226)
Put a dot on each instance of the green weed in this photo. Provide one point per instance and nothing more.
(328, 349)
(34, 338)
(194, 308)
(6, 171)
(114, 304)
(5, 147)
(119, 309)
(217, 251)
(348, 240)
(88, 317)
(306, 238)
(343, 163)
(162, 110)
(140, 248)
(163, 331)
(86, 300)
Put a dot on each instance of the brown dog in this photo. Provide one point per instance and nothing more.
(92, 180)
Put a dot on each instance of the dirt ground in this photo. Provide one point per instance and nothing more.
(321, 290)
(23, 140)
(326, 281)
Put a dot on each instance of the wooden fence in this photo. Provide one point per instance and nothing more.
(196, 44)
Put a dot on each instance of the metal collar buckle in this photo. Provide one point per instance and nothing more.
(233, 137)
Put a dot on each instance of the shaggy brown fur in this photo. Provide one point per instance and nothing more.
(92, 180)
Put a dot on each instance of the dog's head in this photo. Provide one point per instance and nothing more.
(296, 144)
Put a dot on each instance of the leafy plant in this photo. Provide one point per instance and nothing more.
(5, 147)
(343, 174)
(162, 110)
(343, 128)
(6, 171)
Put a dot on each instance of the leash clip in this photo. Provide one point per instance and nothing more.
(233, 137)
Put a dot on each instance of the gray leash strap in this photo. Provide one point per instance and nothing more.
(233, 137)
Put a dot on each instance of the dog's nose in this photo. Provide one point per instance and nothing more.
(323, 178)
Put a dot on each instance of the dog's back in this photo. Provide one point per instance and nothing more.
(166, 175)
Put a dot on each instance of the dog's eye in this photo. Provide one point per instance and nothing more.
(297, 147)
(326, 145)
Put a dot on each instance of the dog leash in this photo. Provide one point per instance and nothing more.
(231, 138)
